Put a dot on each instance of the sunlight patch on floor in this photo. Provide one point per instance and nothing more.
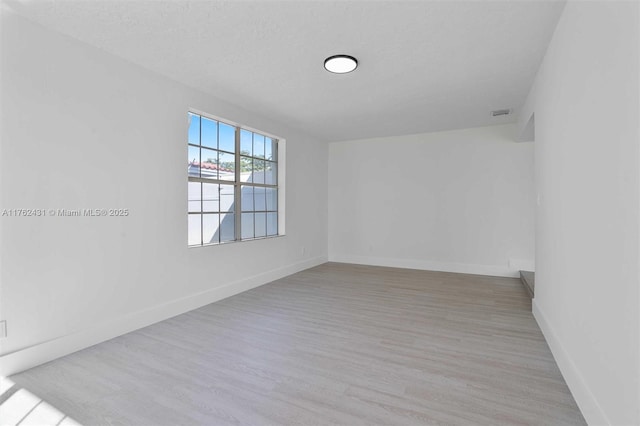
(21, 407)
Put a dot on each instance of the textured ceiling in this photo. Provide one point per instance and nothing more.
(424, 65)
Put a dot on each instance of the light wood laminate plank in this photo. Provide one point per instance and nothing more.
(336, 344)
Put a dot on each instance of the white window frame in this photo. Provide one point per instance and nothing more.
(280, 148)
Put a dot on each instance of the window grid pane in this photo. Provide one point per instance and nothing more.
(226, 166)
(246, 169)
(247, 226)
(209, 163)
(269, 149)
(272, 224)
(210, 225)
(271, 173)
(258, 170)
(246, 142)
(194, 129)
(194, 194)
(246, 200)
(227, 198)
(193, 161)
(208, 133)
(227, 138)
(227, 227)
(272, 199)
(210, 197)
(259, 199)
(195, 230)
(260, 223)
(258, 145)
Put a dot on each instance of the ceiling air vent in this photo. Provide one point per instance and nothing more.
(500, 112)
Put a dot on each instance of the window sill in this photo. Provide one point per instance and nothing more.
(272, 237)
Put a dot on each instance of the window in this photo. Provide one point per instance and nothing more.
(233, 182)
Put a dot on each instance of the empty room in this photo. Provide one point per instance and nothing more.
(393, 212)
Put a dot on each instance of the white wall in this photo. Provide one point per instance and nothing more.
(459, 201)
(83, 129)
(586, 105)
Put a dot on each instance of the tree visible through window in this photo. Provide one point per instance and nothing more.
(232, 183)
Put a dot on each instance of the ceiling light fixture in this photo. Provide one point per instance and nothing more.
(340, 64)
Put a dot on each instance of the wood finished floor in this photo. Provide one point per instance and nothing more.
(335, 344)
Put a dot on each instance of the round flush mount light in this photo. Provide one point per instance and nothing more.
(340, 64)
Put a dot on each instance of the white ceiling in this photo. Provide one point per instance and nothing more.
(424, 65)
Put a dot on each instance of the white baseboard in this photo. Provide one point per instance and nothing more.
(428, 265)
(40, 353)
(591, 410)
